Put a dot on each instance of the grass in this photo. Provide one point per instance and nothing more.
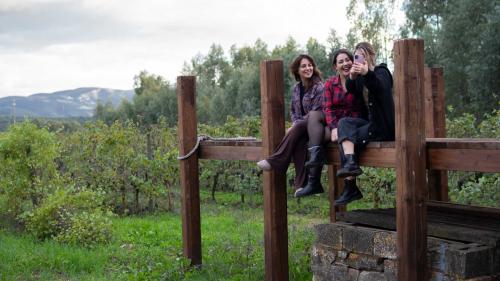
(150, 247)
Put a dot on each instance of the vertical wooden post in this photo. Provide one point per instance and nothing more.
(275, 204)
(411, 214)
(191, 233)
(435, 127)
(336, 188)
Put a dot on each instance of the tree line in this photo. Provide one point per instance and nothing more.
(460, 35)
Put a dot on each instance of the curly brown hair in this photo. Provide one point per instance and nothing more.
(294, 70)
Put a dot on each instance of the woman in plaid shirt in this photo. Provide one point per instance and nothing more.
(338, 103)
(307, 96)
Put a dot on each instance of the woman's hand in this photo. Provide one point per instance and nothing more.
(333, 135)
(359, 68)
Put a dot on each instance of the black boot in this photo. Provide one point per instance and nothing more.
(316, 157)
(350, 168)
(351, 193)
(313, 185)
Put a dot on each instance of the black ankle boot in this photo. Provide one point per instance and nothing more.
(316, 157)
(350, 168)
(351, 193)
(313, 185)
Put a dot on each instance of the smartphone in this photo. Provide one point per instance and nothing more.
(359, 58)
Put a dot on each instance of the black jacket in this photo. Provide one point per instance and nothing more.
(380, 101)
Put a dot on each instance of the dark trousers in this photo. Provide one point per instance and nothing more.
(293, 147)
(354, 130)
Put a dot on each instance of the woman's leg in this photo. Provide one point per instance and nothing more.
(280, 159)
(316, 131)
(316, 128)
(351, 131)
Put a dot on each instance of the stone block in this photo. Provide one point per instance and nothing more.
(390, 266)
(385, 244)
(339, 272)
(436, 257)
(329, 234)
(352, 274)
(358, 240)
(322, 255)
(469, 262)
(374, 276)
(439, 276)
(342, 255)
(365, 262)
(321, 273)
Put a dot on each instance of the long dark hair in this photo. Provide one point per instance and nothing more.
(294, 70)
(338, 52)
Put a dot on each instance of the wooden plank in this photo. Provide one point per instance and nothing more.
(246, 153)
(484, 212)
(336, 187)
(435, 127)
(254, 143)
(438, 226)
(482, 155)
(464, 160)
(189, 178)
(411, 183)
(275, 205)
(454, 143)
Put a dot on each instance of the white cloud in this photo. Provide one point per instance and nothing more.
(49, 45)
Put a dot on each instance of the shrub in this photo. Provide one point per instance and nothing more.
(71, 216)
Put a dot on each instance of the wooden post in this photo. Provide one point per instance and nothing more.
(411, 213)
(275, 212)
(336, 188)
(435, 127)
(191, 233)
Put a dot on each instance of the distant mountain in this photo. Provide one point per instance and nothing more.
(79, 102)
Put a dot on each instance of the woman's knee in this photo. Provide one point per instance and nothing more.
(315, 116)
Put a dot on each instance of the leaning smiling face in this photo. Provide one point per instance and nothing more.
(305, 69)
(343, 64)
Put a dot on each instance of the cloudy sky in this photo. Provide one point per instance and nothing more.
(51, 45)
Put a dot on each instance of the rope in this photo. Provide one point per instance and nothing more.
(205, 137)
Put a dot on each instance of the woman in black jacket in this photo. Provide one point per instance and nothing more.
(374, 85)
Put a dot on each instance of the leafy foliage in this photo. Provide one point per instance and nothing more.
(463, 37)
(71, 216)
(27, 166)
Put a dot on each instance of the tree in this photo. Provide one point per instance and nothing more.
(370, 22)
(463, 37)
(27, 166)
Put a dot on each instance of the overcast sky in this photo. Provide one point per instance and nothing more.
(51, 45)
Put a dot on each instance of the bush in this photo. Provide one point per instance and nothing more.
(87, 229)
(71, 216)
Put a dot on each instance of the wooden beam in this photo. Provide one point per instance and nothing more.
(246, 153)
(411, 218)
(484, 212)
(189, 178)
(275, 205)
(435, 127)
(336, 187)
(480, 160)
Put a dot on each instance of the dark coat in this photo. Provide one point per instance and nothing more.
(380, 101)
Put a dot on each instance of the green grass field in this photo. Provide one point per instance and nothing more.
(150, 247)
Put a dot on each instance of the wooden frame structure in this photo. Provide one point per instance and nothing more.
(419, 107)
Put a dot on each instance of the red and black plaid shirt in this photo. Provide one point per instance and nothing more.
(338, 104)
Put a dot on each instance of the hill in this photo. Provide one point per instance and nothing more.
(79, 102)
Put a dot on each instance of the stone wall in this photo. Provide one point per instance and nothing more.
(345, 251)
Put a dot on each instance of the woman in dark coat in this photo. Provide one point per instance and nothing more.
(307, 96)
(374, 85)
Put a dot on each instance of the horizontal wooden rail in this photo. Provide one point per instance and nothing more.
(481, 155)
